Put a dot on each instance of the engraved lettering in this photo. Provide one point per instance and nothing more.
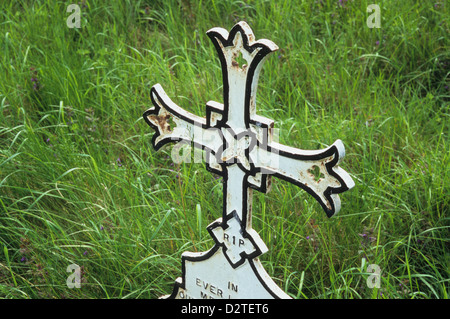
(232, 286)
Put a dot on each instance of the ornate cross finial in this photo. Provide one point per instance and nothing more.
(239, 146)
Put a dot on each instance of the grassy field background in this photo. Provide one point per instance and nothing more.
(81, 184)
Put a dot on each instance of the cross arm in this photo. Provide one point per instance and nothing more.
(173, 124)
(297, 166)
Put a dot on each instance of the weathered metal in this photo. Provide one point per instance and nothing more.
(239, 146)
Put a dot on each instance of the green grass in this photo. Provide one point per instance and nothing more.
(80, 182)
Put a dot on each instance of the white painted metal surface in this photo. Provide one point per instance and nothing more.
(239, 146)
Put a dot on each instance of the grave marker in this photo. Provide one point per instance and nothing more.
(239, 146)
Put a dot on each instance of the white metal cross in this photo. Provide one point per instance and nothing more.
(239, 146)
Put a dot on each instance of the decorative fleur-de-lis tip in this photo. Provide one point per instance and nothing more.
(240, 40)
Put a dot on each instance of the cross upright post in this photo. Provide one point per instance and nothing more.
(239, 146)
